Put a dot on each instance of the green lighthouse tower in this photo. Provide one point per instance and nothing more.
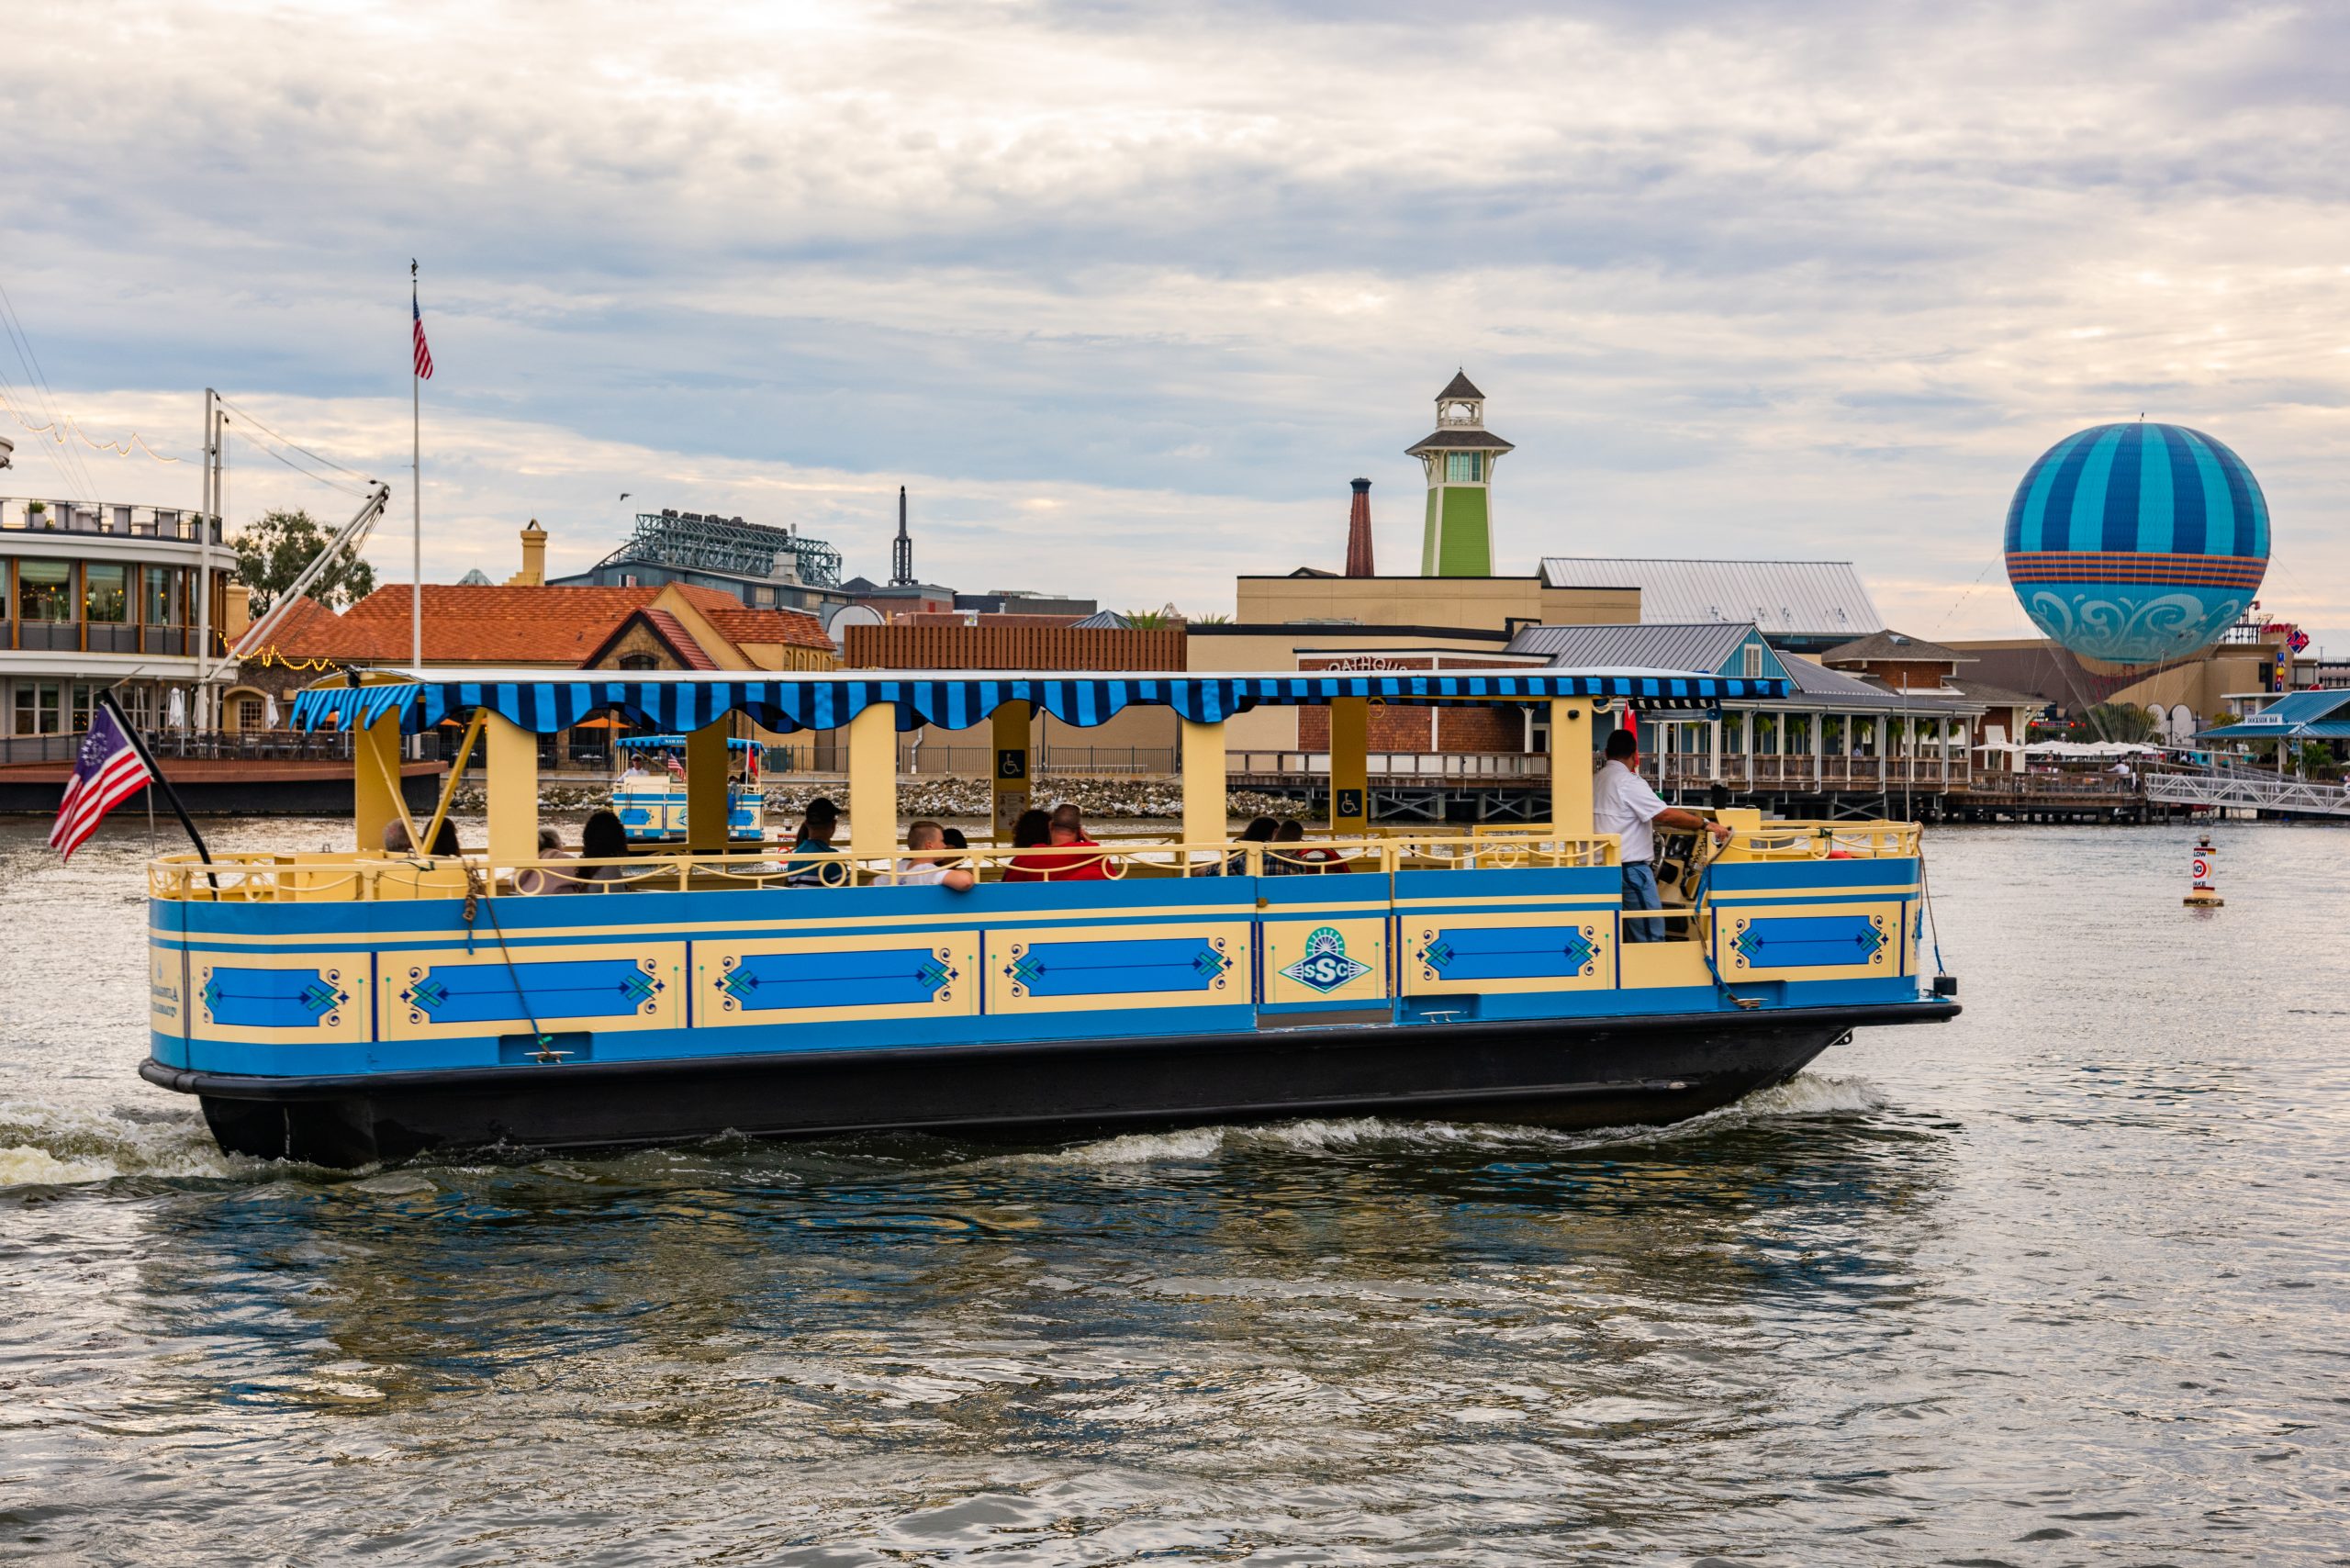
(1459, 460)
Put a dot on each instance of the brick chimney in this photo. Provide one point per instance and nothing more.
(534, 558)
(236, 614)
(1358, 533)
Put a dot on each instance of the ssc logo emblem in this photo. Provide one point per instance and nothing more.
(1325, 966)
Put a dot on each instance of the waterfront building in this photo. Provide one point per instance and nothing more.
(1458, 458)
(1023, 602)
(1803, 606)
(93, 596)
(531, 624)
(760, 566)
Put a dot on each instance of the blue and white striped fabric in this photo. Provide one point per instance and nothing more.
(781, 704)
(2140, 489)
(2137, 542)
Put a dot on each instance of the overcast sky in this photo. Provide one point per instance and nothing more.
(1125, 294)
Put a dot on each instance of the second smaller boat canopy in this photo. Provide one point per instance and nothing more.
(673, 743)
(545, 701)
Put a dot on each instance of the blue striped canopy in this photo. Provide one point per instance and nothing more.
(546, 703)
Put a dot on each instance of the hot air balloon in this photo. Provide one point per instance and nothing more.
(2137, 542)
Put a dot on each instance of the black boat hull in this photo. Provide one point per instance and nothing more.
(1553, 1073)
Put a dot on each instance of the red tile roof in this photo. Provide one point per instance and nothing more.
(789, 627)
(495, 623)
(673, 632)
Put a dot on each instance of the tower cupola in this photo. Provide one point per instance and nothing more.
(1459, 459)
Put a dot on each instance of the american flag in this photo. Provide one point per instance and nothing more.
(424, 354)
(106, 772)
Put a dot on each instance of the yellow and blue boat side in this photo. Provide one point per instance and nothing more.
(365, 1008)
(302, 989)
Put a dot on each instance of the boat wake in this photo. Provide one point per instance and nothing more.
(44, 1146)
(1805, 1096)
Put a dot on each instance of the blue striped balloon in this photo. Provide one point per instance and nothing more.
(2137, 542)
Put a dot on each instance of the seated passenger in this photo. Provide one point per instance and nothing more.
(1314, 857)
(929, 863)
(445, 838)
(534, 879)
(815, 838)
(1284, 861)
(1622, 803)
(395, 838)
(602, 838)
(1259, 831)
(952, 837)
(1031, 829)
(1066, 859)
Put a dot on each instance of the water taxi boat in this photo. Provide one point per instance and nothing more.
(343, 1008)
(651, 801)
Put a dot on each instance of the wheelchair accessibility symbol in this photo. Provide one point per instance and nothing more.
(1011, 762)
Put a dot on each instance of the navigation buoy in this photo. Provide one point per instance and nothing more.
(2204, 895)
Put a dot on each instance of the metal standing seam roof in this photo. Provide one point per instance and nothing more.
(1796, 598)
(1705, 646)
(546, 702)
(2297, 715)
(1819, 686)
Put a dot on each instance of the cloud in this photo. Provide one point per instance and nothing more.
(1740, 279)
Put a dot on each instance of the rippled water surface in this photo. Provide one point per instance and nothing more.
(2062, 1283)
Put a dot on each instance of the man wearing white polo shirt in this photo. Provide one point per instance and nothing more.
(1622, 803)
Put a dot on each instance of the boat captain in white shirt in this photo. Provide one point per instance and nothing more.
(1622, 803)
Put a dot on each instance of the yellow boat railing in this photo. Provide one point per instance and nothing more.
(364, 878)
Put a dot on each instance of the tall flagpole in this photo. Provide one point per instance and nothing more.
(416, 492)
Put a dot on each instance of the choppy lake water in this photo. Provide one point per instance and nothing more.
(2062, 1283)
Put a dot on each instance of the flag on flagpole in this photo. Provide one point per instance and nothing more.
(424, 354)
(106, 772)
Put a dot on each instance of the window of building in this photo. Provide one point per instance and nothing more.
(105, 594)
(1753, 668)
(45, 590)
(1464, 466)
(84, 699)
(248, 713)
(38, 707)
(162, 599)
(639, 661)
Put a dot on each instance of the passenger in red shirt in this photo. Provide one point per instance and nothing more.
(1071, 857)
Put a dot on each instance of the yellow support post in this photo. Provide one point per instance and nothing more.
(1015, 765)
(1350, 767)
(376, 781)
(873, 782)
(1571, 768)
(512, 790)
(1206, 819)
(706, 802)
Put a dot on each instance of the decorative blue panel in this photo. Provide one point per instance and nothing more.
(583, 987)
(1508, 952)
(890, 977)
(1117, 969)
(273, 999)
(1821, 941)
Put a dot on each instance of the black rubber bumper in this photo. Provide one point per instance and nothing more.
(280, 1089)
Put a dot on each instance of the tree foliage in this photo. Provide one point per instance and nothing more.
(2121, 721)
(275, 551)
